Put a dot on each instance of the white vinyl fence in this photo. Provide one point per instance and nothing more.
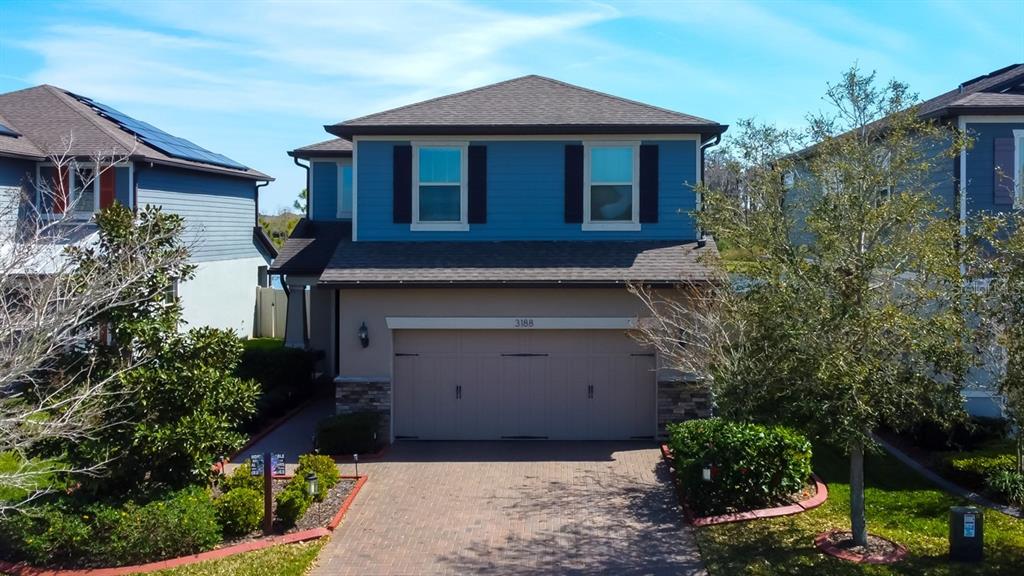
(271, 312)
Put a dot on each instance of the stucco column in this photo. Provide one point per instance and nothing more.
(295, 334)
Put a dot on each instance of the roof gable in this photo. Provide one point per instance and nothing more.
(530, 104)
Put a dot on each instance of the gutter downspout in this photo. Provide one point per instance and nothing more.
(256, 197)
(701, 242)
(305, 167)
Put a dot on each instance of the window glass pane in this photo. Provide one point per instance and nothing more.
(345, 194)
(85, 190)
(611, 203)
(440, 203)
(611, 164)
(440, 165)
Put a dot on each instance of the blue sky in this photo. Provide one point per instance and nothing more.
(252, 80)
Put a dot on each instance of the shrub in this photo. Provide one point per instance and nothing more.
(752, 465)
(325, 469)
(349, 433)
(285, 376)
(182, 523)
(240, 511)
(292, 502)
(242, 478)
(965, 435)
(1009, 484)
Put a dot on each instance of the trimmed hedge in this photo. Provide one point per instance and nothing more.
(292, 502)
(349, 433)
(752, 466)
(242, 478)
(285, 376)
(65, 534)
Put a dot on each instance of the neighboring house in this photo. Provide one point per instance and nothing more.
(216, 196)
(464, 261)
(987, 177)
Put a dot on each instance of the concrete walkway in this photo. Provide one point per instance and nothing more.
(294, 437)
(514, 508)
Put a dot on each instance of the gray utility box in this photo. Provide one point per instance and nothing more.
(966, 534)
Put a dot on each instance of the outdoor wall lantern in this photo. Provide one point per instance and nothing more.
(364, 335)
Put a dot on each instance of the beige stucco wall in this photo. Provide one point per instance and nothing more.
(373, 306)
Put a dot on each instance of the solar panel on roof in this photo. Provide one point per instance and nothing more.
(167, 143)
(5, 131)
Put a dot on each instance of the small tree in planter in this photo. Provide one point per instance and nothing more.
(1000, 242)
(850, 314)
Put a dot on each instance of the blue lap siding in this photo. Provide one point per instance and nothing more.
(324, 183)
(980, 171)
(526, 195)
(219, 211)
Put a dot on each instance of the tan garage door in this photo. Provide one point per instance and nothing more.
(493, 384)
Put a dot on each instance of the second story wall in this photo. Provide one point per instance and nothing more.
(526, 193)
(330, 194)
(219, 211)
(994, 144)
(14, 184)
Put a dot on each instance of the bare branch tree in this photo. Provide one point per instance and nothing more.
(51, 388)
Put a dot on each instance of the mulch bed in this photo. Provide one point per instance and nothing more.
(318, 515)
(878, 551)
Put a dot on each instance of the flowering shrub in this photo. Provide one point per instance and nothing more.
(751, 466)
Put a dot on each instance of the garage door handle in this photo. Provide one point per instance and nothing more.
(590, 391)
(523, 355)
(458, 392)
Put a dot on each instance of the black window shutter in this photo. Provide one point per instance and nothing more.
(1002, 168)
(649, 183)
(574, 183)
(402, 183)
(477, 184)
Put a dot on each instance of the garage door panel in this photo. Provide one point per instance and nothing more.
(529, 383)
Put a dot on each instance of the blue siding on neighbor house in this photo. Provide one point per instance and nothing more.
(323, 180)
(219, 211)
(941, 176)
(16, 173)
(15, 180)
(123, 185)
(980, 172)
(526, 195)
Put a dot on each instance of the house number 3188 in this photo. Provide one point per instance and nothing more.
(524, 323)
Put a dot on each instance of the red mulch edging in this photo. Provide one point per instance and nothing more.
(823, 542)
(821, 494)
(21, 569)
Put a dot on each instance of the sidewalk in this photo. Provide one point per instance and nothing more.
(294, 437)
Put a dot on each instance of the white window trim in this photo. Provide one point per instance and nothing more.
(462, 224)
(634, 224)
(1018, 180)
(72, 201)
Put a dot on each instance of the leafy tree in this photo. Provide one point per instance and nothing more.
(850, 315)
(168, 418)
(1000, 242)
(300, 203)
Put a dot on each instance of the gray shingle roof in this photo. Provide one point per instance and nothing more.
(48, 116)
(329, 148)
(530, 104)
(517, 263)
(17, 145)
(988, 91)
(310, 246)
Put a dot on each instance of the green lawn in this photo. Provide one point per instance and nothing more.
(263, 343)
(901, 506)
(283, 560)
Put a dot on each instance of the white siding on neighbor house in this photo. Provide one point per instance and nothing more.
(222, 295)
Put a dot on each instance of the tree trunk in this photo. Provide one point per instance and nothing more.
(858, 521)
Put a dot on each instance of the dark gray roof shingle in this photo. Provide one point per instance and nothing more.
(51, 119)
(310, 246)
(530, 104)
(329, 148)
(518, 263)
(983, 92)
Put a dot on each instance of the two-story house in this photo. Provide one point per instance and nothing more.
(464, 261)
(51, 139)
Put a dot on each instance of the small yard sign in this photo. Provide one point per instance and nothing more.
(256, 464)
(277, 463)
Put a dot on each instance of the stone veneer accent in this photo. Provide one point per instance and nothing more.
(365, 394)
(680, 400)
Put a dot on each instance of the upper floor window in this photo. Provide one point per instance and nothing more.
(1018, 166)
(439, 186)
(73, 189)
(611, 191)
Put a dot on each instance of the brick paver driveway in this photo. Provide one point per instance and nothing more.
(513, 508)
